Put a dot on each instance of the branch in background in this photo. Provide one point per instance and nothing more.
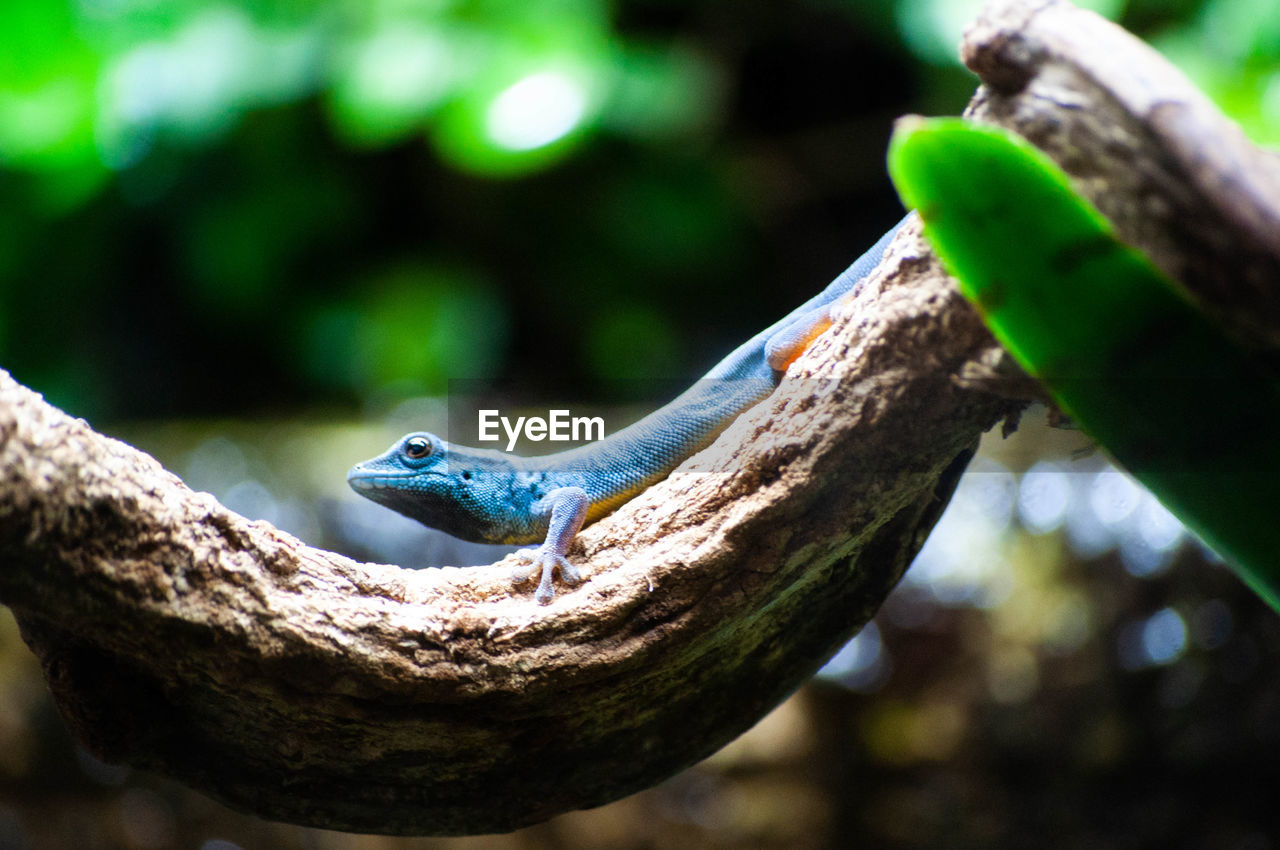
(303, 686)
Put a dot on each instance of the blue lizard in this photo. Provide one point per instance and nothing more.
(486, 496)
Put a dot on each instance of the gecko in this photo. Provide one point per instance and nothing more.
(488, 496)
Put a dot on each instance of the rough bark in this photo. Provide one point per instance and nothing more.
(303, 686)
(1175, 176)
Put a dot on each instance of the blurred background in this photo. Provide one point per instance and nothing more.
(259, 240)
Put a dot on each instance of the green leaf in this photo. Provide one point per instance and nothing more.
(1120, 347)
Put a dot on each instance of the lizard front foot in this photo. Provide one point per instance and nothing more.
(544, 561)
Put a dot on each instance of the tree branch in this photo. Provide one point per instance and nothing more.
(298, 684)
(1176, 177)
(303, 686)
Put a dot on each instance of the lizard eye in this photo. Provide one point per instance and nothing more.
(416, 448)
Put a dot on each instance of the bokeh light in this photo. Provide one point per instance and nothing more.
(536, 111)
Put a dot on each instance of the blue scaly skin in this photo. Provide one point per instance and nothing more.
(487, 496)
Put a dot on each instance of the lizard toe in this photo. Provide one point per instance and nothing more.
(546, 588)
(524, 572)
(545, 564)
(569, 573)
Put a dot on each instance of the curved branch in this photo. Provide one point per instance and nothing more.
(303, 686)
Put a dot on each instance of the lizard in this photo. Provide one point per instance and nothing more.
(488, 496)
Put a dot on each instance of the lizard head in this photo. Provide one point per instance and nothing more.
(452, 488)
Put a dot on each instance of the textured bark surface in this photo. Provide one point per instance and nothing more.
(303, 686)
(1175, 176)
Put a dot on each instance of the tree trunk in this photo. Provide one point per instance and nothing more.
(303, 686)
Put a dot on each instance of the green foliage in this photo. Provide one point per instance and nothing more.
(186, 175)
(419, 327)
(1119, 346)
(621, 332)
(1231, 49)
(502, 88)
(47, 84)
(498, 88)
